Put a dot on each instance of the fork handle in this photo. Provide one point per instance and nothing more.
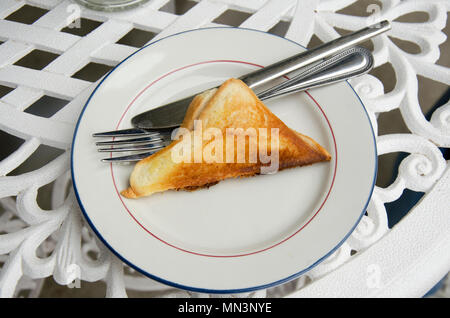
(325, 50)
(353, 62)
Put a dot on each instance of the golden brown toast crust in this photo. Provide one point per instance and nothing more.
(233, 105)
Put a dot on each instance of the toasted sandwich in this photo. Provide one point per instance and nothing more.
(227, 133)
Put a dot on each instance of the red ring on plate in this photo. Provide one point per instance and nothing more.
(210, 255)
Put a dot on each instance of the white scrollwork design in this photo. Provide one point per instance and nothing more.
(37, 243)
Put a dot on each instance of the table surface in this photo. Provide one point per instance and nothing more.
(51, 56)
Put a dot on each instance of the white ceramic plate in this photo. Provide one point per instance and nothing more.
(242, 234)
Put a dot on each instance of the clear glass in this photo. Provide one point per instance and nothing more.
(111, 5)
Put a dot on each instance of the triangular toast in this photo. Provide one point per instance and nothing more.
(232, 105)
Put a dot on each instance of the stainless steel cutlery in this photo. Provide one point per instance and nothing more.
(329, 63)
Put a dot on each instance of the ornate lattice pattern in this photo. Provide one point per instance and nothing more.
(37, 243)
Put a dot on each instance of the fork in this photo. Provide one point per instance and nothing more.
(342, 66)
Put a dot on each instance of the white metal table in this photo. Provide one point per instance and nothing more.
(406, 260)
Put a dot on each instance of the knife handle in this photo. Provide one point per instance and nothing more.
(325, 50)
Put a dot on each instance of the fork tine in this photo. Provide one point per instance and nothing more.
(147, 140)
(132, 132)
(134, 148)
(143, 140)
(130, 158)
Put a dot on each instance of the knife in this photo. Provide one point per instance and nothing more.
(171, 115)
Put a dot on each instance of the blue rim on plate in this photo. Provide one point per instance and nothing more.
(192, 288)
